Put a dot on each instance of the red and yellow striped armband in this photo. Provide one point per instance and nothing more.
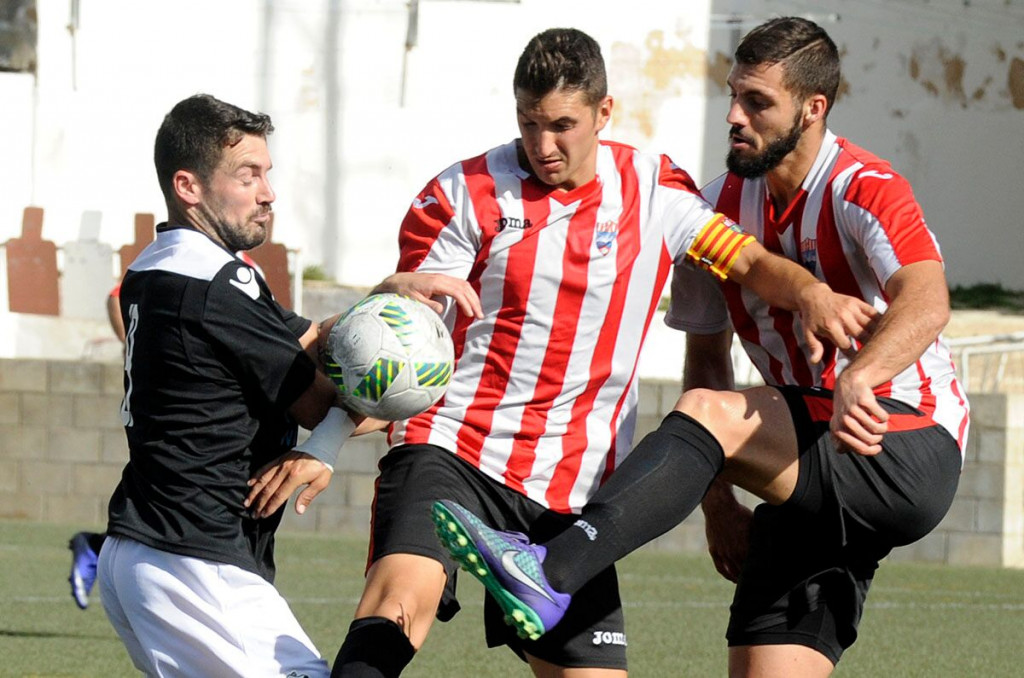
(718, 245)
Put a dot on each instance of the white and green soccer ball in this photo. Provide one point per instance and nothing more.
(390, 356)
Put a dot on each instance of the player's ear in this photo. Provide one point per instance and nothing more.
(815, 108)
(187, 187)
(604, 112)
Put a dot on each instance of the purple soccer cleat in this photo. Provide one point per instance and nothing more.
(83, 568)
(508, 566)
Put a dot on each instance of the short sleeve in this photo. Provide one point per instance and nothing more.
(259, 337)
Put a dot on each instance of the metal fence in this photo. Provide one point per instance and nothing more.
(992, 363)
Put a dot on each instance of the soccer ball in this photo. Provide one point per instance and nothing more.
(390, 356)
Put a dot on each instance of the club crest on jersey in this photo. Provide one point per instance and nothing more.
(245, 280)
(809, 254)
(605, 237)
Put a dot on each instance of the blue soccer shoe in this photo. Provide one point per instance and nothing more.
(83, 568)
(508, 566)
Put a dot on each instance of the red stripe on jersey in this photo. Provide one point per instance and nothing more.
(480, 184)
(888, 196)
(572, 290)
(628, 242)
(832, 260)
(429, 214)
(783, 321)
(819, 408)
(671, 175)
(743, 324)
(479, 417)
(961, 436)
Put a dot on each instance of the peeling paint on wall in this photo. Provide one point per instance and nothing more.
(1015, 83)
(939, 72)
(718, 70)
(942, 73)
(644, 77)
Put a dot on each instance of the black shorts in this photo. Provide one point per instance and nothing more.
(413, 477)
(812, 558)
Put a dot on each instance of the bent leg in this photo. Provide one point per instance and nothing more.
(406, 589)
(393, 617)
(755, 429)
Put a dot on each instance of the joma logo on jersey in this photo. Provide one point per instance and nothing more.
(512, 222)
(809, 254)
(605, 238)
(609, 638)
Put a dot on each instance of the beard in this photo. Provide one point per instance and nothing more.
(238, 239)
(233, 235)
(760, 163)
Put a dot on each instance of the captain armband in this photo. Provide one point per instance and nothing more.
(718, 245)
(327, 437)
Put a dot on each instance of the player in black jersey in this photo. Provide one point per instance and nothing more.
(217, 377)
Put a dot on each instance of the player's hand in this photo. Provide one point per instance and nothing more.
(837, 317)
(275, 482)
(858, 421)
(727, 528)
(426, 287)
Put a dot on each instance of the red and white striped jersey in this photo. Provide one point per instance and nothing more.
(853, 225)
(544, 394)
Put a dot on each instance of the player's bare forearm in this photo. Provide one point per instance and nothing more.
(918, 311)
(787, 285)
(727, 528)
(708, 361)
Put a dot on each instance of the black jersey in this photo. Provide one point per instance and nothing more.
(212, 363)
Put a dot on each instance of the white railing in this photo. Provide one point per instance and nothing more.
(998, 362)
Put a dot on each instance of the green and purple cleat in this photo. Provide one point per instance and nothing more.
(508, 566)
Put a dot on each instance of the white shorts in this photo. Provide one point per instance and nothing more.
(184, 616)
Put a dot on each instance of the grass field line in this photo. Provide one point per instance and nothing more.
(641, 604)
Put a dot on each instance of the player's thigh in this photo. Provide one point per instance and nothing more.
(758, 438)
(195, 617)
(108, 579)
(792, 661)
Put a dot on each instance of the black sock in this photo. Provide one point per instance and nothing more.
(95, 540)
(658, 485)
(375, 647)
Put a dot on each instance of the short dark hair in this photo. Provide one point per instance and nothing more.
(809, 58)
(195, 133)
(562, 59)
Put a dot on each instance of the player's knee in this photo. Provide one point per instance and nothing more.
(703, 404)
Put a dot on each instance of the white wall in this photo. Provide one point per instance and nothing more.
(362, 125)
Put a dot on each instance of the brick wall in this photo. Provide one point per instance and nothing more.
(62, 449)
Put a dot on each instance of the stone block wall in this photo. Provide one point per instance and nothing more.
(62, 450)
(62, 446)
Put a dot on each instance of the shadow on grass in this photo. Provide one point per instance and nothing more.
(19, 633)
